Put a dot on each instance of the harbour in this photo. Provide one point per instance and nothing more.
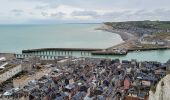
(151, 55)
(84, 50)
(85, 36)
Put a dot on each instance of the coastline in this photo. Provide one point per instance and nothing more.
(125, 36)
(129, 40)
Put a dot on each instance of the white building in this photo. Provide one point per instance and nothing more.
(160, 43)
(148, 42)
(9, 71)
(152, 42)
(2, 59)
(143, 41)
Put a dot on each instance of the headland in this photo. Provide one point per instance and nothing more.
(138, 36)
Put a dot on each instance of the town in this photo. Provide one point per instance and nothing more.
(138, 36)
(78, 78)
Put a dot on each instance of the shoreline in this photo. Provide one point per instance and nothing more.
(128, 41)
(125, 36)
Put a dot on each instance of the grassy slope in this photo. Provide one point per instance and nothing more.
(142, 24)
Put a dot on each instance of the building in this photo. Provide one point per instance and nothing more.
(9, 71)
(143, 41)
(7, 56)
(160, 43)
(150, 41)
(28, 63)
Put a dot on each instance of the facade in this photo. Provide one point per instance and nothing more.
(152, 42)
(144, 41)
(28, 63)
(27, 66)
(10, 73)
(160, 43)
(26, 79)
(7, 56)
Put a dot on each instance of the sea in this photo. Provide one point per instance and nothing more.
(15, 38)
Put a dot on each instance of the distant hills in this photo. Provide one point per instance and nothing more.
(141, 27)
(142, 24)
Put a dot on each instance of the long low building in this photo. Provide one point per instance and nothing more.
(9, 71)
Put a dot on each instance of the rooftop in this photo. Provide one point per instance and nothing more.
(7, 67)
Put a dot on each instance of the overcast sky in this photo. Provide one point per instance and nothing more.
(73, 11)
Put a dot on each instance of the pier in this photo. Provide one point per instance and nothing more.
(109, 52)
(148, 49)
(60, 51)
(54, 53)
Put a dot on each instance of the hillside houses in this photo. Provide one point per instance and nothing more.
(150, 40)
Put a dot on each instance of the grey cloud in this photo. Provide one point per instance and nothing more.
(41, 7)
(44, 13)
(31, 13)
(51, 6)
(54, 5)
(157, 14)
(133, 9)
(116, 14)
(142, 14)
(110, 4)
(162, 12)
(17, 10)
(85, 13)
(59, 14)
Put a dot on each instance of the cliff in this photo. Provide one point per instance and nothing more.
(162, 91)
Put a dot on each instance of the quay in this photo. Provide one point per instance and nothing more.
(148, 49)
(108, 53)
(52, 53)
(70, 51)
(60, 51)
(125, 51)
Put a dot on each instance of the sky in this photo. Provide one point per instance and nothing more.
(81, 11)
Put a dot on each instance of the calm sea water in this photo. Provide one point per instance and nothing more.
(15, 38)
(154, 55)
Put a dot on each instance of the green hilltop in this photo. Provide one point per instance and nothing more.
(139, 28)
(142, 24)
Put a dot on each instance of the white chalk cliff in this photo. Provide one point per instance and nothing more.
(162, 90)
